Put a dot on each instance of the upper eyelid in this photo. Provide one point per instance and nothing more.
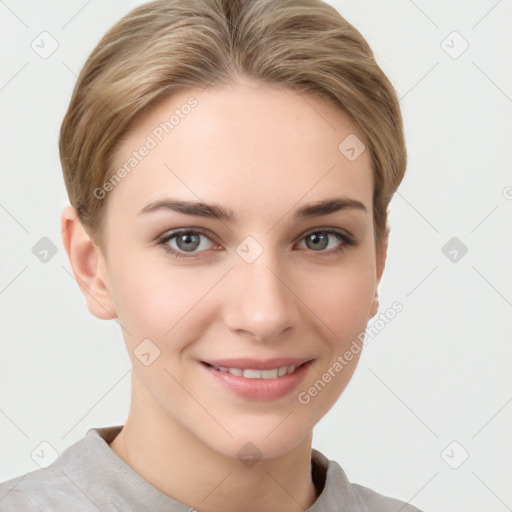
(329, 229)
(175, 232)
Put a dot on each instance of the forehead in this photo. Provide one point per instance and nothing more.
(256, 148)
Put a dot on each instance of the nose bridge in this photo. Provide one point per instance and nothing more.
(259, 302)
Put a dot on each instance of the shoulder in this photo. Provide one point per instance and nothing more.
(30, 492)
(69, 483)
(14, 500)
(372, 501)
(339, 493)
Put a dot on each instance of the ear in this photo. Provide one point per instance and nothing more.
(88, 265)
(382, 251)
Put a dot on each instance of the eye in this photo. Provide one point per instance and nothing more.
(188, 243)
(329, 238)
(181, 242)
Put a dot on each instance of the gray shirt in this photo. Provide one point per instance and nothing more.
(90, 476)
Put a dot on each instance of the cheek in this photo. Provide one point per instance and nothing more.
(156, 302)
(342, 301)
(342, 298)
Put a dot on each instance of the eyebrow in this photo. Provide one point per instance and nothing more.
(213, 211)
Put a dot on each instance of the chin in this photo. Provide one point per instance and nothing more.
(261, 441)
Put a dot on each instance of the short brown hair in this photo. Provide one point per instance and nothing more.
(168, 45)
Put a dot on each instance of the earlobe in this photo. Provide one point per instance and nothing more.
(375, 306)
(87, 263)
(382, 254)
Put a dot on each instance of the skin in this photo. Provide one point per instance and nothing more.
(262, 152)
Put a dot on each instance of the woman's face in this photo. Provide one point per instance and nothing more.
(248, 276)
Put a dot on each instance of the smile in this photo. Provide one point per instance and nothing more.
(250, 373)
(276, 380)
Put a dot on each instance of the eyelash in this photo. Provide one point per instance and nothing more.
(345, 240)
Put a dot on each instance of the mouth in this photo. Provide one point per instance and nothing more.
(258, 373)
(258, 380)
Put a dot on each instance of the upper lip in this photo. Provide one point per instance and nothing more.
(258, 364)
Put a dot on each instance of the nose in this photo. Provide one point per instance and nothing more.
(259, 300)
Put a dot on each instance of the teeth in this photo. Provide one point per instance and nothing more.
(258, 374)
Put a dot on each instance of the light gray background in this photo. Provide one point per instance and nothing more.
(438, 373)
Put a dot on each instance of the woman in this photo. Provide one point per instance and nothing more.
(229, 166)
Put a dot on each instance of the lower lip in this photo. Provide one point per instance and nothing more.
(260, 389)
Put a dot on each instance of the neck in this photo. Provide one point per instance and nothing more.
(180, 466)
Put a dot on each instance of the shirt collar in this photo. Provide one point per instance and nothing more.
(330, 480)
